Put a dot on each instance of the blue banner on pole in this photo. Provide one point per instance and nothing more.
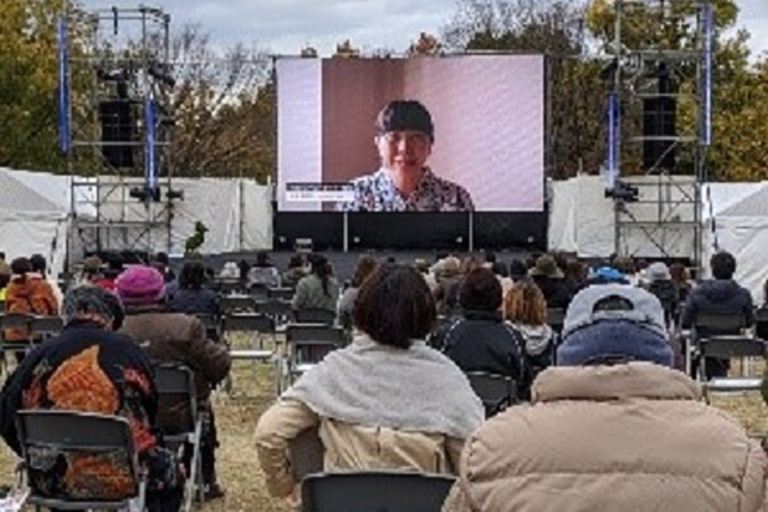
(612, 160)
(64, 126)
(150, 160)
(707, 71)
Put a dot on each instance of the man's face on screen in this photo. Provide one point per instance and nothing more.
(405, 151)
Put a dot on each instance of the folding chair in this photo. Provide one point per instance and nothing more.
(727, 326)
(46, 326)
(231, 286)
(280, 293)
(79, 435)
(211, 324)
(315, 316)
(761, 323)
(307, 345)
(258, 291)
(375, 491)
(497, 392)
(728, 347)
(237, 303)
(20, 321)
(251, 323)
(279, 310)
(180, 422)
(556, 319)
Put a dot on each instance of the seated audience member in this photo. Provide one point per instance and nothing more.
(5, 278)
(366, 265)
(263, 272)
(626, 265)
(550, 280)
(720, 295)
(244, 268)
(423, 267)
(606, 275)
(163, 264)
(449, 277)
(192, 297)
(575, 274)
(501, 272)
(612, 427)
(375, 402)
(526, 309)
(90, 368)
(92, 275)
(27, 293)
(319, 289)
(518, 269)
(175, 338)
(659, 283)
(679, 276)
(479, 340)
(230, 271)
(39, 267)
(295, 271)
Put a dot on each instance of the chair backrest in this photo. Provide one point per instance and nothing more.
(556, 318)
(177, 399)
(280, 293)
(725, 347)
(78, 435)
(276, 308)
(729, 322)
(15, 320)
(310, 343)
(319, 316)
(259, 291)
(495, 391)
(249, 322)
(233, 303)
(46, 325)
(761, 322)
(375, 491)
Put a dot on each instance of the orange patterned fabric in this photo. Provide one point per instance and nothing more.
(81, 385)
(90, 476)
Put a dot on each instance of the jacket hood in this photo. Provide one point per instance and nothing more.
(621, 381)
(719, 290)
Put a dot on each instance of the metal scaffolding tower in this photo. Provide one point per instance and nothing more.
(120, 154)
(664, 98)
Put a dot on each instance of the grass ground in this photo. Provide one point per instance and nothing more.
(252, 393)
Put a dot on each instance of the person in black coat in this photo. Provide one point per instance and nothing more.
(479, 339)
(722, 296)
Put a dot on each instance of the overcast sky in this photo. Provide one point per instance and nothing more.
(285, 26)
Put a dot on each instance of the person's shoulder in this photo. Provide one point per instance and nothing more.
(367, 179)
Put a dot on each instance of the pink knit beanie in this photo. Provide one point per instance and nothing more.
(140, 285)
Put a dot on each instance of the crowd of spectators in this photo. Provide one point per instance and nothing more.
(614, 422)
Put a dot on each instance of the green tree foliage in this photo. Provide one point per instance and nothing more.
(577, 95)
(224, 106)
(28, 83)
(741, 94)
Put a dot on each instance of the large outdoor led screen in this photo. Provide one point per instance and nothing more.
(487, 117)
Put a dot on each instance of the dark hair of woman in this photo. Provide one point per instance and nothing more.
(20, 267)
(322, 270)
(480, 291)
(365, 266)
(192, 276)
(395, 307)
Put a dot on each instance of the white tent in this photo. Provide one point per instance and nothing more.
(35, 211)
(740, 226)
(735, 219)
(30, 222)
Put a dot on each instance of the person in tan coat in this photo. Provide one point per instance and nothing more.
(387, 401)
(613, 427)
(176, 338)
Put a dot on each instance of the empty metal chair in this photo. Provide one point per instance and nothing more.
(177, 416)
(46, 326)
(237, 303)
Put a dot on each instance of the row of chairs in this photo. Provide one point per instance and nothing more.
(87, 433)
